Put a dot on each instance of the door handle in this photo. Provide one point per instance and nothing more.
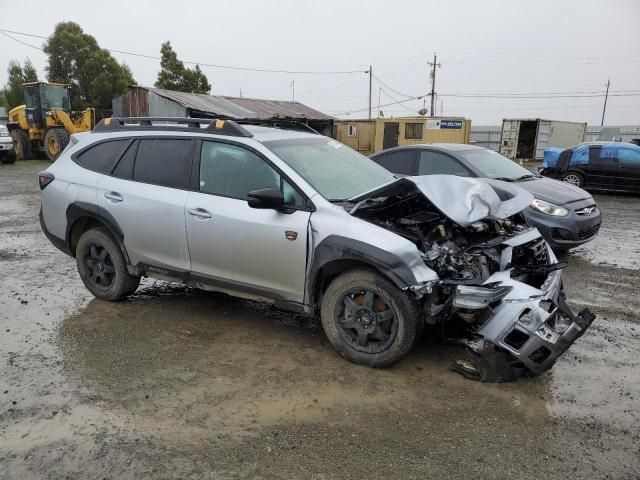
(113, 196)
(198, 212)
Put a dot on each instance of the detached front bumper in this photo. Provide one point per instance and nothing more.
(534, 325)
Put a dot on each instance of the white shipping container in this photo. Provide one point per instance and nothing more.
(527, 139)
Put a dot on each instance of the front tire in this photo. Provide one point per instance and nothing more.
(573, 178)
(102, 266)
(55, 141)
(8, 158)
(22, 144)
(368, 320)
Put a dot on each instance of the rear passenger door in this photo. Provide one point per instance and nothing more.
(629, 169)
(602, 169)
(256, 251)
(146, 194)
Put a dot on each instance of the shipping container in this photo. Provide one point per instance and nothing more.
(370, 136)
(486, 136)
(526, 139)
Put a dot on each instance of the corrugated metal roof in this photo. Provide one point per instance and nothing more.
(236, 107)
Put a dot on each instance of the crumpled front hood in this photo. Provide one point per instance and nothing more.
(468, 200)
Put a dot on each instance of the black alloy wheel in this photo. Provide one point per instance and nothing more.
(365, 321)
(99, 267)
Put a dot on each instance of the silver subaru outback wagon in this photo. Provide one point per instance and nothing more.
(301, 221)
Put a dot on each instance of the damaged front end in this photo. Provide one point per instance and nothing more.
(498, 278)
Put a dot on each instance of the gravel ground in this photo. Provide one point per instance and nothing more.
(178, 383)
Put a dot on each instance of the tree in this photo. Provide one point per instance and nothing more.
(94, 75)
(13, 93)
(174, 75)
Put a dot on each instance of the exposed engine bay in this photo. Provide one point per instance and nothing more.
(494, 269)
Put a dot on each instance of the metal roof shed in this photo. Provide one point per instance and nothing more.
(156, 102)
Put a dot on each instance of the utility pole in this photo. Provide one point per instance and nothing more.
(433, 83)
(379, 96)
(370, 87)
(604, 108)
(293, 90)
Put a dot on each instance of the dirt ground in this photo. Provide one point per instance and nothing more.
(177, 383)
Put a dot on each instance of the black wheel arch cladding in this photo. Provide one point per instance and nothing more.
(82, 210)
(336, 248)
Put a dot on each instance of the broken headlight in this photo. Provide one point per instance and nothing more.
(549, 208)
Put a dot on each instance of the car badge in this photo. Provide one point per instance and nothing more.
(290, 235)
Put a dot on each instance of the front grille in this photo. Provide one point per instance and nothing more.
(588, 232)
(532, 253)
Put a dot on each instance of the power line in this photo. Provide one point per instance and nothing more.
(19, 41)
(524, 97)
(399, 102)
(394, 91)
(6, 32)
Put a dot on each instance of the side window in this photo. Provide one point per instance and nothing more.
(580, 156)
(413, 131)
(436, 163)
(609, 152)
(124, 168)
(594, 153)
(232, 171)
(630, 157)
(102, 157)
(401, 162)
(164, 161)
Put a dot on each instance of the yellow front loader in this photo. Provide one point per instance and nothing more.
(45, 122)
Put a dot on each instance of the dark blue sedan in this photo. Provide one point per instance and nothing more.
(604, 166)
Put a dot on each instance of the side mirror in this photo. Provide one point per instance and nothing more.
(266, 198)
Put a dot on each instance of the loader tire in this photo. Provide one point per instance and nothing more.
(22, 144)
(55, 141)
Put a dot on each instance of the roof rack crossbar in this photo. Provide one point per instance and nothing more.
(217, 126)
(285, 124)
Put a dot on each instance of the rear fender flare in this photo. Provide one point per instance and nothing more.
(81, 211)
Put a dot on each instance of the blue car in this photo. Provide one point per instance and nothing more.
(603, 166)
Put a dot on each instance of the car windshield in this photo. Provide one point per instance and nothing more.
(494, 165)
(333, 169)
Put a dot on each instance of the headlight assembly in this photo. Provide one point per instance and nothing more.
(549, 208)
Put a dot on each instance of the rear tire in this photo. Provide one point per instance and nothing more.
(55, 141)
(102, 266)
(22, 144)
(368, 320)
(8, 158)
(573, 178)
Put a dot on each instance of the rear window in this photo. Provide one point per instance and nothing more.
(165, 162)
(103, 156)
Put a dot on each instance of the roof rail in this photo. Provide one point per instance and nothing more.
(284, 124)
(180, 124)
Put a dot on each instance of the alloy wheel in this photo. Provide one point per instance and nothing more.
(99, 266)
(366, 321)
(572, 179)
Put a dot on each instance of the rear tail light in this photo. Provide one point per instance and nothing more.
(44, 179)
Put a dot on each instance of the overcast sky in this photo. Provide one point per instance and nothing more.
(485, 47)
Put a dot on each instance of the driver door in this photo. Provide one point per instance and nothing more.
(259, 251)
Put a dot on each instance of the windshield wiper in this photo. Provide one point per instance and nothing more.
(504, 179)
(529, 175)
